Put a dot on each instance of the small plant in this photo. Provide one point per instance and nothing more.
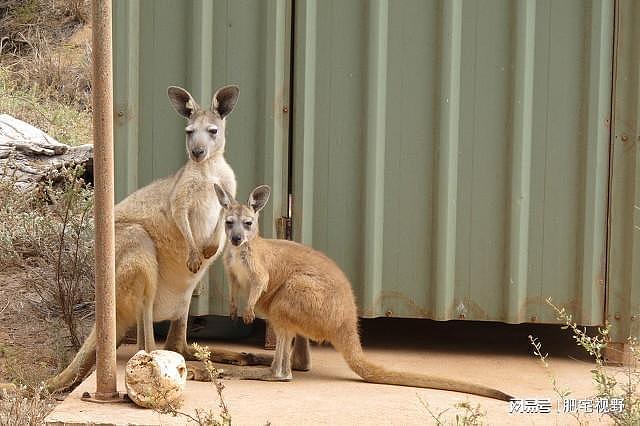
(45, 80)
(49, 234)
(25, 407)
(609, 387)
(72, 257)
(465, 414)
(563, 394)
(203, 417)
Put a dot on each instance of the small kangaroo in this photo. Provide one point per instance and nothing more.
(302, 291)
(166, 238)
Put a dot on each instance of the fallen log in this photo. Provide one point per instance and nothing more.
(29, 156)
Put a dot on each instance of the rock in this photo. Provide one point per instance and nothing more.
(28, 155)
(156, 379)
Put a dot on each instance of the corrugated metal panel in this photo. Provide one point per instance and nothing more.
(453, 156)
(624, 272)
(202, 45)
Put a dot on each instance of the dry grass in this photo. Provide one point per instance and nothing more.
(42, 364)
(45, 66)
(46, 237)
(63, 122)
(60, 72)
(27, 407)
(46, 287)
(49, 235)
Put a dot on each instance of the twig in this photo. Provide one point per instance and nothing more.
(5, 307)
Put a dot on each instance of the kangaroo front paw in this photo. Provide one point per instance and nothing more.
(248, 316)
(209, 251)
(194, 262)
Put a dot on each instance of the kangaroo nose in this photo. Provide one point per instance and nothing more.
(197, 152)
(235, 240)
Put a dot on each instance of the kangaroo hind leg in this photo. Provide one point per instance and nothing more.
(177, 337)
(136, 273)
(301, 360)
(145, 336)
(281, 366)
(147, 324)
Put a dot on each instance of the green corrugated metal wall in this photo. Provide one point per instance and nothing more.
(202, 45)
(451, 156)
(623, 302)
(460, 155)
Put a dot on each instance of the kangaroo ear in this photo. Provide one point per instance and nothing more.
(259, 197)
(182, 101)
(223, 196)
(224, 100)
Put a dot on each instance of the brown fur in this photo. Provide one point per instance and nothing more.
(166, 238)
(302, 291)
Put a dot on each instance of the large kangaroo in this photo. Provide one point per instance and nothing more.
(166, 238)
(302, 291)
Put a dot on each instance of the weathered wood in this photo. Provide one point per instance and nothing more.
(197, 372)
(28, 155)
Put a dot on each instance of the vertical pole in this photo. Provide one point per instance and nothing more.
(103, 176)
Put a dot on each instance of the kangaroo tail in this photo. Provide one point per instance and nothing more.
(78, 369)
(81, 364)
(75, 371)
(84, 360)
(350, 348)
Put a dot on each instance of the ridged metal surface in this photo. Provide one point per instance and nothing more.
(623, 307)
(451, 156)
(202, 45)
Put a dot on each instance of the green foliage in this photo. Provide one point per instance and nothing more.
(609, 384)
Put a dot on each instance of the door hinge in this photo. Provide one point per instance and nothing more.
(284, 228)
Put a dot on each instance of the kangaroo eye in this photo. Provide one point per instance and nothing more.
(248, 223)
(188, 130)
(229, 222)
(213, 130)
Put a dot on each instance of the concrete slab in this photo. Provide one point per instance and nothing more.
(332, 394)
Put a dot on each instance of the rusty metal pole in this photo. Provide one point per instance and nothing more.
(106, 388)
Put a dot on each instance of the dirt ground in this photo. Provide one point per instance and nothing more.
(494, 354)
(44, 80)
(33, 346)
(29, 335)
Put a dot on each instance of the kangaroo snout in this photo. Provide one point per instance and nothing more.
(236, 240)
(198, 153)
